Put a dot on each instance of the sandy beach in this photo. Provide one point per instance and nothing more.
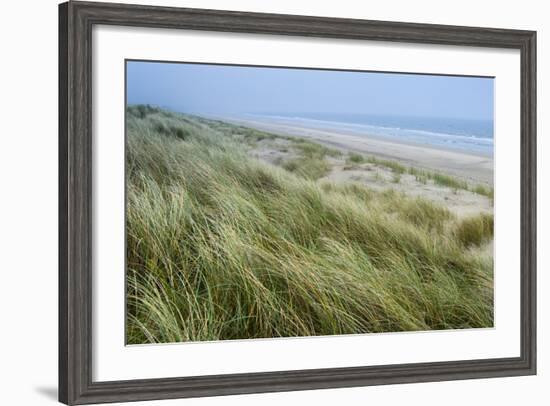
(468, 166)
(475, 169)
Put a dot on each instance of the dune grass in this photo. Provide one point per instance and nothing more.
(311, 162)
(355, 158)
(484, 191)
(309, 148)
(223, 246)
(421, 175)
(475, 230)
(309, 167)
(396, 167)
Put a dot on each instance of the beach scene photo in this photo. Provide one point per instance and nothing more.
(273, 202)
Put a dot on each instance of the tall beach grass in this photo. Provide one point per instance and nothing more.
(223, 246)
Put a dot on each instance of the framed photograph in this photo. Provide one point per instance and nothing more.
(259, 202)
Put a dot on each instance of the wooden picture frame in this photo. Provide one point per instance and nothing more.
(76, 20)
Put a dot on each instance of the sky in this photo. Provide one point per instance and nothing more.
(226, 90)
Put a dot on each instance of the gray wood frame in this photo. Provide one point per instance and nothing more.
(76, 20)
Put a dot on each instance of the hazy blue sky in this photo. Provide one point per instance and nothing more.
(233, 89)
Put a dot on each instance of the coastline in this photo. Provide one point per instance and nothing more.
(300, 238)
(474, 167)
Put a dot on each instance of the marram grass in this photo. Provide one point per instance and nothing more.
(223, 246)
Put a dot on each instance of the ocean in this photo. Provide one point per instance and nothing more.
(450, 133)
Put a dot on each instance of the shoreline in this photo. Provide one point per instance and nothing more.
(468, 166)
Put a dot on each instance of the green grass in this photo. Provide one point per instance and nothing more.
(239, 133)
(223, 246)
(449, 181)
(421, 175)
(484, 190)
(308, 167)
(311, 162)
(309, 148)
(354, 158)
(441, 179)
(476, 230)
(311, 158)
(393, 165)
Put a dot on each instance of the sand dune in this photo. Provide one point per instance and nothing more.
(469, 166)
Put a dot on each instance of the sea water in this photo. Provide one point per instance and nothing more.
(474, 136)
